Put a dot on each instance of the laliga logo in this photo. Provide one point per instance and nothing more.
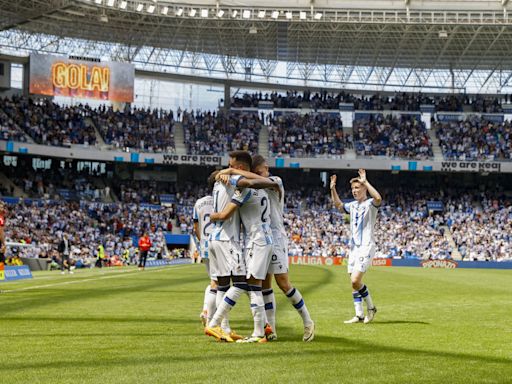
(439, 264)
(76, 76)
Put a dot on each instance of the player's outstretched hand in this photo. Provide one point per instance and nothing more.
(362, 176)
(224, 179)
(333, 181)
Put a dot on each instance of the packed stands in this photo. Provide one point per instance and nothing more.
(308, 135)
(217, 133)
(400, 137)
(475, 139)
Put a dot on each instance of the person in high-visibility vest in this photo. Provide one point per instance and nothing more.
(101, 256)
(144, 247)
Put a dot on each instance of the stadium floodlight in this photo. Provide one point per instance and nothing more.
(246, 14)
(110, 3)
(192, 12)
(123, 4)
(261, 14)
(443, 34)
(179, 12)
(302, 15)
(98, 1)
(204, 13)
(234, 13)
(318, 16)
(165, 10)
(220, 13)
(151, 8)
(275, 14)
(140, 7)
(289, 15)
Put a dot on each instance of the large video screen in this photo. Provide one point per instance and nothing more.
(60, 76)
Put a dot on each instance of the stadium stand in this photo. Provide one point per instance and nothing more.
(217, 133)
(403, 137)
(475, 139)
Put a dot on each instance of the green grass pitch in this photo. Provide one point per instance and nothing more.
(125, 326)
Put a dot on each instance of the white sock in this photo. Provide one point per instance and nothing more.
(211, 305)
(270, 307)
(258, 312)
(219, 298)
(205, 301)
(358, 304)
(298, 302)
(365, 294)
(230, 299)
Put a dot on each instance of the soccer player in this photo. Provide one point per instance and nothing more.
(279, 261)
(363, 214)
(224, 245)
(203, 208)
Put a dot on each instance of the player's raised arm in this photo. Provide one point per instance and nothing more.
(241, 172)
(334, 195)
(377, 198)
(257, 183)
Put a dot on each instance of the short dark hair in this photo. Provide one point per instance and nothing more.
(242, 157)
(211, 180)
(257, 160)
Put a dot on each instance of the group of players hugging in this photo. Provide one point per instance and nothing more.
(242, 237)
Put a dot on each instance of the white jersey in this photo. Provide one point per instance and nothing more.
(362, 221)
(255, 215)
(227, 230)
(277, 209)
(202, 211)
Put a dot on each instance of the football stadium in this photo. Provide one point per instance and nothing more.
(327, 182)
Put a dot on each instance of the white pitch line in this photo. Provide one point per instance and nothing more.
(117, 274)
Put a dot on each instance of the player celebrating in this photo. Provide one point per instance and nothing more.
(363, 214)
(253, 206)
(279, 262)
(202, 229)
(224, 248)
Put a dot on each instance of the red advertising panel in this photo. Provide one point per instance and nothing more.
(60, 76)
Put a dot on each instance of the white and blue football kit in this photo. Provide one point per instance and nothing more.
(224, 248)
(203, 208)
(279, 261)
(255, 216)
(363, 217)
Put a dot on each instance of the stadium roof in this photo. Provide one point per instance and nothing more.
(313, 35)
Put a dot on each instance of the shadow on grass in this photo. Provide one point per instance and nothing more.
(231, 353)
(66, 295)
(386, 322)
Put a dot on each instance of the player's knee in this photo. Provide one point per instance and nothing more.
(213, 284)
(283, 282)
(357, 284)
(267, 283)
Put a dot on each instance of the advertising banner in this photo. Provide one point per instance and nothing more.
(15, 273)
(192, 159)
(470, 166)
(60, 76)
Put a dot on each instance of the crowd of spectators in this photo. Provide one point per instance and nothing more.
(392, 136)
(217, 133)
(136, 128)
(46, 122)
(41, 225)
(307, 135)
(375, 102)
(475, 139)
(481, 227)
